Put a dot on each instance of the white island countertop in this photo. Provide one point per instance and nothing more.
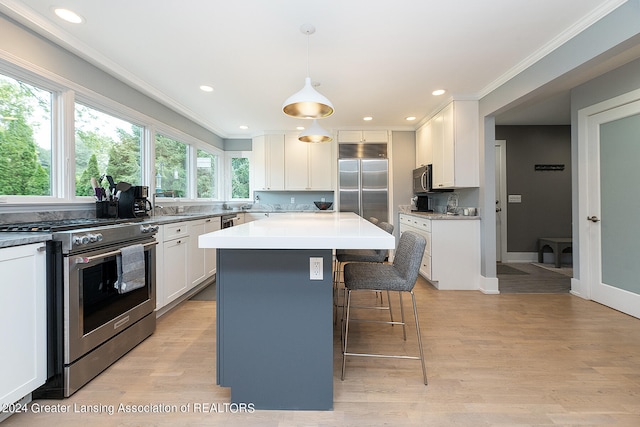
(319, 230)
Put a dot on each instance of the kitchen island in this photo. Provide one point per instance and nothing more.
(274, 305)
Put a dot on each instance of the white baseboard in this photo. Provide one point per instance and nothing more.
(521, 257)
(489, 285)
(577, 289)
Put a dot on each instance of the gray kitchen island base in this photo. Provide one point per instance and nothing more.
(274, 343)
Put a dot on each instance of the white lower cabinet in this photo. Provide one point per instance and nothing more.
(196, 256)
(202, 262)
(451, 258)
(210, 225)
(174, 263)
(181, 264)
(23, 359)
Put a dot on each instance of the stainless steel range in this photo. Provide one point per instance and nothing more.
(91, 321)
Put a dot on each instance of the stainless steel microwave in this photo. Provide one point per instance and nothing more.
(422, 180)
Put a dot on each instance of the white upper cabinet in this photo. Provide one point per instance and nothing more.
(308, 166)
(450, 142)
(423, 145)
(268, 162)
(363, 136)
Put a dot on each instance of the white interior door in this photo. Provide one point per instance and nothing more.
(501, 191)
(611, 222)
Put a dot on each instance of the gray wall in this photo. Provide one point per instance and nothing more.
(403, 158)
(545, 210)
(32, 48)
(238, 145)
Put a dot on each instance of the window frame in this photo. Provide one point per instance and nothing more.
(193, 144)
(65, 94)
(111, 111)
(219, 176)
(57, 93)
(229, 181)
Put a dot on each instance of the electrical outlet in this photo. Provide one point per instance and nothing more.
(180, 209)
(315, 268)
(293, 200)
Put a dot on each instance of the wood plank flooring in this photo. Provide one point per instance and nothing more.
(532, 279)
(492, 360)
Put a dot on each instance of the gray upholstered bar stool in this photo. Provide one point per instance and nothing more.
(400, 276)
(344, 256)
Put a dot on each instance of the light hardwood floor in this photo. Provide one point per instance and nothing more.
(492, 360)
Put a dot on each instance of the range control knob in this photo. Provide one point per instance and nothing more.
(81, 240)
(149, 228)
(95, 237)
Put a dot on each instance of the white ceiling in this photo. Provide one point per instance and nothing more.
(376, 58)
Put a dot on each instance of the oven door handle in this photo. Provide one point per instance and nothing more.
(88, 259)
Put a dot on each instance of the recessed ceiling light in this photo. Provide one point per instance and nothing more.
(410, 118)
(438, 92)
(206, 88)
(367, 119)
(68, 15)
(300, 128)
(244, 127)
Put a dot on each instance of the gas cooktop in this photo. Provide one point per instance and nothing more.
(64, 224)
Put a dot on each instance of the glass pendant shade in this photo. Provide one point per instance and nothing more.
(308, 103)
(315, 133)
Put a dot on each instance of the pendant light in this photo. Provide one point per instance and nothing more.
(308, 103)
(315, 133)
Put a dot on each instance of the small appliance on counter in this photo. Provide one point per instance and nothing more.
(134, 202)
(422, 204)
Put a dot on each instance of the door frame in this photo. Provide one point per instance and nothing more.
(583, 284)
(501, 195)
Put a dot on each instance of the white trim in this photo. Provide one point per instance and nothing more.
(579, 288)
(569, 33)
(489, 285)
(503, 198)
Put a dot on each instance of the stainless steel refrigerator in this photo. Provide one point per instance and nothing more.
(363, 181)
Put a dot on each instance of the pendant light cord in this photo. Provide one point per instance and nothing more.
(308, 69)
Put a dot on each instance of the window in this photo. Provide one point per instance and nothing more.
(207, 175)
(239, 175)
(25, 139)
(171, 167)
(105, 145)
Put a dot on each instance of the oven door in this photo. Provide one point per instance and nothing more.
(228, 222)
(94, 310)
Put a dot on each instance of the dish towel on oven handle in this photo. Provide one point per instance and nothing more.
(131, 269)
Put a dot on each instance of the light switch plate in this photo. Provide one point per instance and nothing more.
(515, 198)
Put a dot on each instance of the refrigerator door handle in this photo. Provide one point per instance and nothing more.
(360, 207)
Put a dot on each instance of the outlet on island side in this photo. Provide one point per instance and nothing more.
(315, 268)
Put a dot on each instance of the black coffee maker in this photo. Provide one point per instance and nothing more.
(134, 202)
(423, 204)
